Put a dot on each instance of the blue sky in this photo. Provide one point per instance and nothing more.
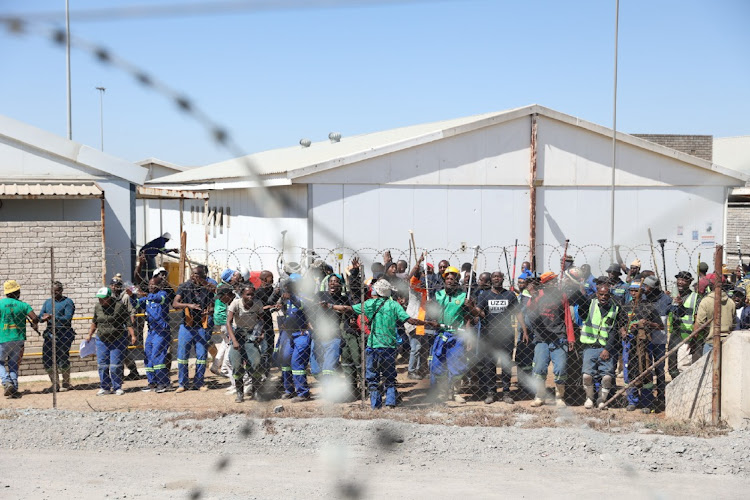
(273, 77)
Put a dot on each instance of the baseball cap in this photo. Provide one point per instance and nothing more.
(159, 270)
(11, 286)
(103, 292)
(684, 275)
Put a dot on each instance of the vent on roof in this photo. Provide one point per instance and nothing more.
(305, 143)
(335, 136)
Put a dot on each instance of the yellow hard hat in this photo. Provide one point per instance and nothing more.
(11, 286)
(451, 269)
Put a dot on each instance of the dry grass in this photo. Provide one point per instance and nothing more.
(699, 428)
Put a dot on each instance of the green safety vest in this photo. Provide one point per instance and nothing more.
(596, 328)
(684, 324)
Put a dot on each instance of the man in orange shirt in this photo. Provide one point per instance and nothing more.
(419, 343)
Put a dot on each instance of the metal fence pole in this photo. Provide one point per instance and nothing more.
(716, 339)
(54, 326)
(363, 340)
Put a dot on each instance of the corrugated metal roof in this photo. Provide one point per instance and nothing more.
(298, 161)
(51, 190)
(284, 160)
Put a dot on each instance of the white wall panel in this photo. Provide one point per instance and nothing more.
(493, 155)
(570, 156)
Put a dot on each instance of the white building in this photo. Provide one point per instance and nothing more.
(473, 181)
(47, 178)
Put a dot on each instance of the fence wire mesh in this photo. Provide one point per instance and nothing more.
(261, 324)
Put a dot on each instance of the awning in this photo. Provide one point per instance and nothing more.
(57, 191)
(155, 193)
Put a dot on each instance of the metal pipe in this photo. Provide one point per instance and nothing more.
(101, 115)
(532, 189)
(363, 336)
(649, 371)
(104, 245)
(614, 141)
(716, 351)
(67, 67)
(205, 226)
(54, 326)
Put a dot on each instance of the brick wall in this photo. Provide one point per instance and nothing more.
(695, 145)
(25, 257)
(738, 223)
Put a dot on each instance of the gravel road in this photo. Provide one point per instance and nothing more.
(157, 454)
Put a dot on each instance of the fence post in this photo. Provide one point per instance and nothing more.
(54, 326)
(716, 339)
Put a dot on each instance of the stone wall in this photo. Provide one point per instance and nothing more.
(25, 257)
(700, 146)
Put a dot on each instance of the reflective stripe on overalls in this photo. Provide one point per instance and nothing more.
(597, 328)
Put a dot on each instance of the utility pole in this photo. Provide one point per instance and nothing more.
(67, 66)
(101, 114)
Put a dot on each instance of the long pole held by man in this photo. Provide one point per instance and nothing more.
(662, 241)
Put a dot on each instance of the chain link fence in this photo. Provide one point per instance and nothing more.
(313, 343)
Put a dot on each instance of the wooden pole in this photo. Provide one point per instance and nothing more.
(183, 250)
(532, 189)
(716, 352)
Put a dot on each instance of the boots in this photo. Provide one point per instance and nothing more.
(455, 391)
(588, 386)
(541, 394)
(604, 395)
(54, 382)
(239, 394)
(65, 381)
(560, 395)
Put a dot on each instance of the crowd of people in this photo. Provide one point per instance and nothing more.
(455, 327)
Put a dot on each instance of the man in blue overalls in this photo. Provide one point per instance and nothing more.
(196, 299)
(156, 347)
(294, 342)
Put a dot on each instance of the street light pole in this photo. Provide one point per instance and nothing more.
(101, 114)
(67, 69)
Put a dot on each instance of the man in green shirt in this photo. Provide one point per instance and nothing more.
(448, 353)
(382, 315)
(13, 314)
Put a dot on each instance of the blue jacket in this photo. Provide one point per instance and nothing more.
(64, 311)
(156, 306)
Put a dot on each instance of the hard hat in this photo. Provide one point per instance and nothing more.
(575, 274)
(11, 286)
(382, 288)
(547, 277)
(245, 272)
(450, 270)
